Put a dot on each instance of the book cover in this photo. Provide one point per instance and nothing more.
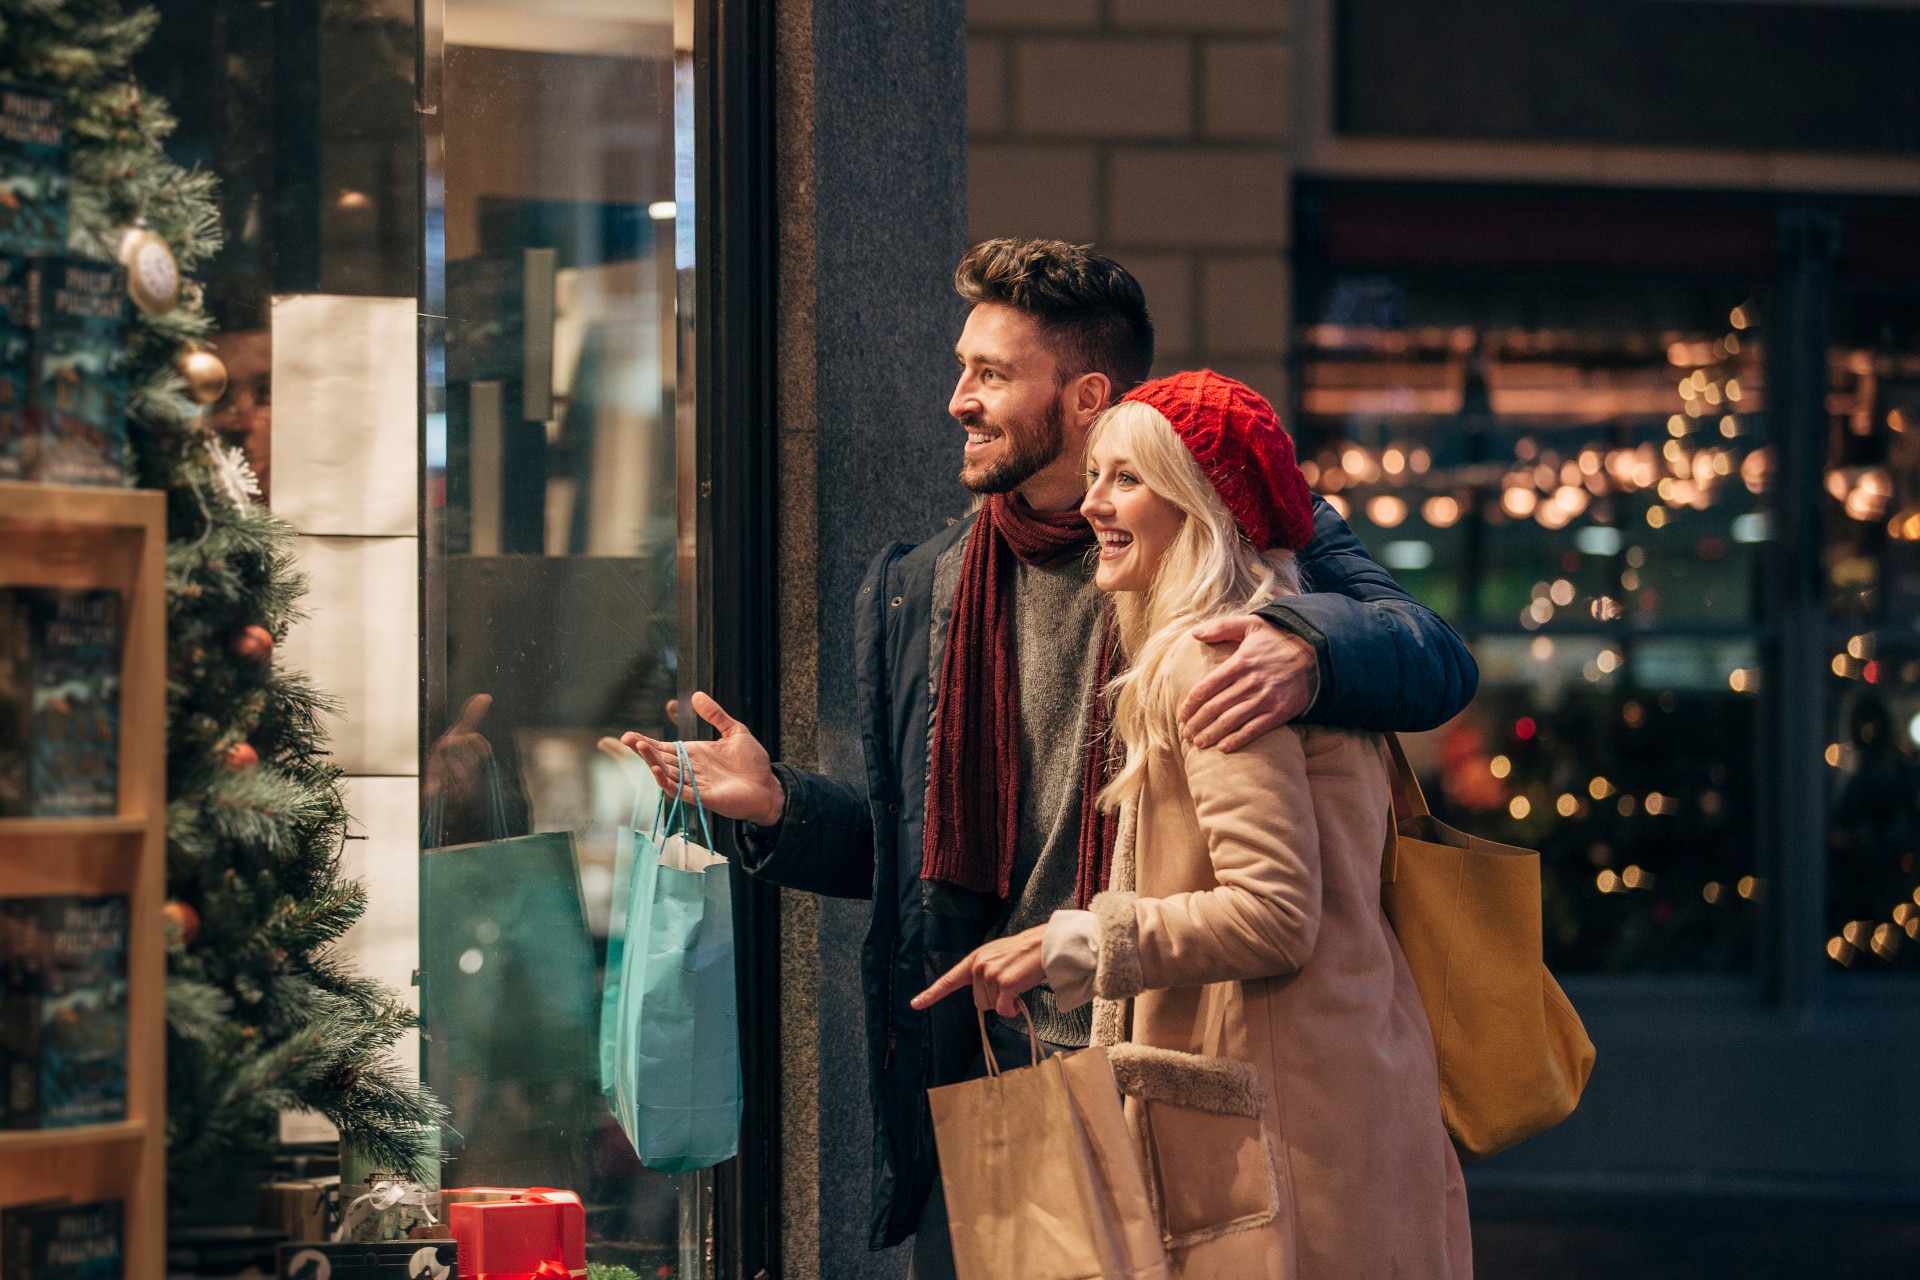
(16, 706)
(74, 736)
(78, 389)
(33, 170)
(366, 1260)
(65, 1022)
(53, 1241)
(16, 351)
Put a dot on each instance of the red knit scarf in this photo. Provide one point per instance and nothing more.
(973, 792)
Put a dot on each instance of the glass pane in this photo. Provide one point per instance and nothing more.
(554, 412)
(1574, 472)
(1873, 599)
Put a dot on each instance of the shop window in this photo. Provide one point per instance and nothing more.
(559, 241)
(1871, 576)
(1574, 469)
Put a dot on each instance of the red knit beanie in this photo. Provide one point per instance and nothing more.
(1235, 436)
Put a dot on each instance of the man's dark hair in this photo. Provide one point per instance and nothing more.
(1091, 310)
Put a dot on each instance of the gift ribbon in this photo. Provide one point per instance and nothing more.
(384, 1195)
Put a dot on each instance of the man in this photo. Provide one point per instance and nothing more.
(979, 823)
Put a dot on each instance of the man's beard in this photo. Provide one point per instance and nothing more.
(1029, 446)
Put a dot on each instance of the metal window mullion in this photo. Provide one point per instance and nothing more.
(1793, 950)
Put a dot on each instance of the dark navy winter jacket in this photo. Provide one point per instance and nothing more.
(1386, 662)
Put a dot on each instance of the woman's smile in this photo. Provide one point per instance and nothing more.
(1134, 524)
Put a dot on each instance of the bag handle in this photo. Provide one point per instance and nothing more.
(433, 823)
(687, 776)
(1409, 788)
(986, 1041)
(1405, 789)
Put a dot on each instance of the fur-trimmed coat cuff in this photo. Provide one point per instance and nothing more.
(1117, 975)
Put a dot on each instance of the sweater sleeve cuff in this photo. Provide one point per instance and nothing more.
(1070, 952)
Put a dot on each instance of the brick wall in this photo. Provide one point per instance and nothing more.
(1158, 131)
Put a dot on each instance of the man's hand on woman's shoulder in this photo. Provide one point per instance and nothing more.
(1268, 681)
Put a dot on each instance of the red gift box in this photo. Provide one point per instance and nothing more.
(540, 1233)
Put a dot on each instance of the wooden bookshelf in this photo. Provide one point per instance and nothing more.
(68, 536)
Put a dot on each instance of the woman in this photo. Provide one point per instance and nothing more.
(1279, 1068)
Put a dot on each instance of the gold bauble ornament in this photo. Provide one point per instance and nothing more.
(205, 374)
(153, 277)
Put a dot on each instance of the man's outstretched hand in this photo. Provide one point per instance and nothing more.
(1268, 682)
(734, 776)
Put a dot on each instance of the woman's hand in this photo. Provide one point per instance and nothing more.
(999, 972)
(734, 776)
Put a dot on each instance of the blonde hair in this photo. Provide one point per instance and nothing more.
(1209, 571)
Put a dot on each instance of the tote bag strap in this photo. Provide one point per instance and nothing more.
(986, 1041)
(1405, 790)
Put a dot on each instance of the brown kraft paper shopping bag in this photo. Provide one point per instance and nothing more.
(1042, 1177)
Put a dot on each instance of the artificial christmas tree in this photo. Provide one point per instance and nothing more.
(260, 1016)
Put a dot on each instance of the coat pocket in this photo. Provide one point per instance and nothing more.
(1204, 1137)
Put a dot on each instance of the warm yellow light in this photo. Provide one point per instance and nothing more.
(1339, 504)
(1393, 461)
(1607, 882)
(1748, 887)
(1566, 805)
(1839, 664)
(1625, 807)
(1656, 517)
(1677, 425)
(1386, 510)
(1519, 807)
(1635, 878)
(1599, 788)
(1441, 511)
(1837, 949)
(1729, 428)
(1738, 318)
(1608, 661)
(1733, 344)
(1353, 461)
(1832, 754)
(1500, 766)
(1856, 933)
(1541, 648)
(1712, 891)
(1686, 389)
(1744, 680)
(1420, 460)
(1886, 942)
(1561, 592)
(1733, 389)
(1518, 501)
(1860, 646)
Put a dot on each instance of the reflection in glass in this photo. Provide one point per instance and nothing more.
(1574, 472)
(1872, 566)
(553, 413)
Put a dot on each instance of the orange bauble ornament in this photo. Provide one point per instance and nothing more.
(240, 757)
(255, 642)
(182, 922)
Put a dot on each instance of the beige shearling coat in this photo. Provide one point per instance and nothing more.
(1278, 1062)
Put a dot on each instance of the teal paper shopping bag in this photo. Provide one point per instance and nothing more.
(507, 999)
(676, 1051)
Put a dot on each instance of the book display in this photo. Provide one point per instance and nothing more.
(82, 849)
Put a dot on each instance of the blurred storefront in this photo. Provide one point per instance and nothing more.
(1602, 326)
